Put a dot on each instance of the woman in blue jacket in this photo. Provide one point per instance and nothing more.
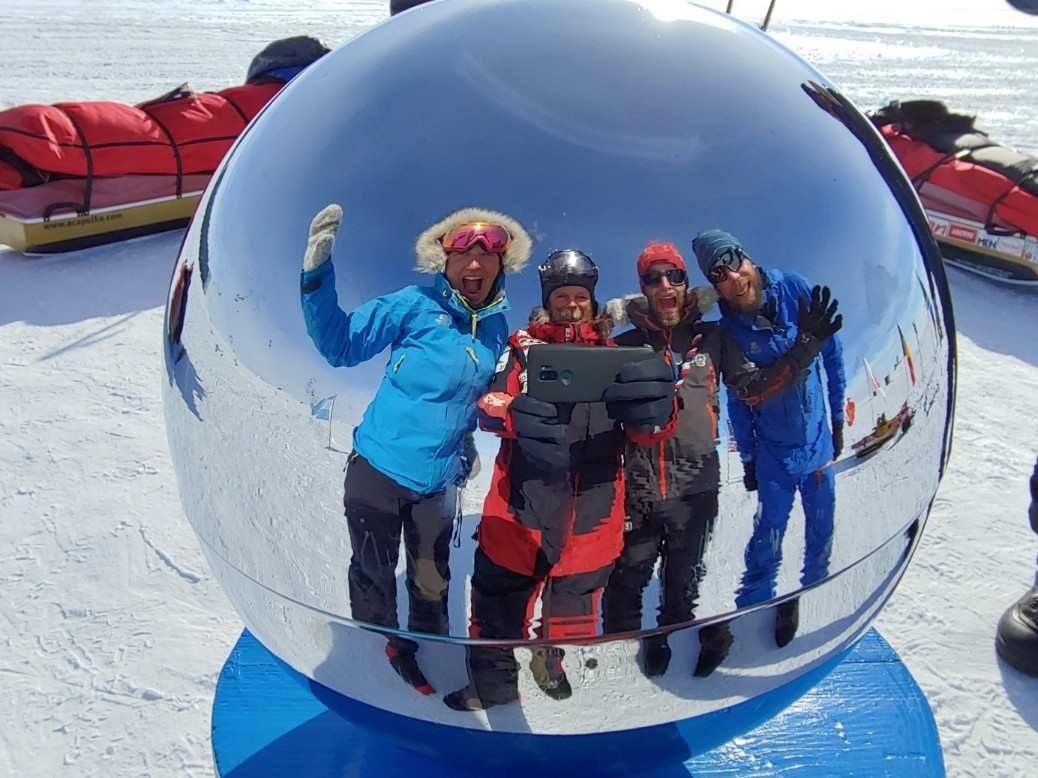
(408, 450)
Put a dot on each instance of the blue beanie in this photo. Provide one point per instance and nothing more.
(710, 244)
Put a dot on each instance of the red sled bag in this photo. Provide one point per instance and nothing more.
(81, 174)
(178, 134)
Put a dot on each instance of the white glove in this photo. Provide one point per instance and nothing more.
(322, 237)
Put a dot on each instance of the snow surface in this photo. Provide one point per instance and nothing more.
(113, 629)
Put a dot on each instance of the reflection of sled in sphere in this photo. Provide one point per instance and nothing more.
(885, 431)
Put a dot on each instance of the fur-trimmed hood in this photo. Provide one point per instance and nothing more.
(433, 259)
(634, 308)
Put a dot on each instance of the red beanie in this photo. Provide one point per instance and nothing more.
(660, 252)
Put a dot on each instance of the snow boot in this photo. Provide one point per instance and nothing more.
(1017, 639)
(406, 666)
(467, 699)
(546, 666)
(655, 655)
(715, 641)
(787, 621)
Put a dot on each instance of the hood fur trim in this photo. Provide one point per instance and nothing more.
(539, 315)
(433, 259)
(633, 308)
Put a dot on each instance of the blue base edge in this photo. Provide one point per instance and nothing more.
(865, 715)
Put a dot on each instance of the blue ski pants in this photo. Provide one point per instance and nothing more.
(776, 490)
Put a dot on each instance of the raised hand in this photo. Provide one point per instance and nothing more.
(818, 317)
(323, 229)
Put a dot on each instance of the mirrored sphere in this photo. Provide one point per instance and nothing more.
(599, 125)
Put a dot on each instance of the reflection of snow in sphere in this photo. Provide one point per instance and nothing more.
(599, 124)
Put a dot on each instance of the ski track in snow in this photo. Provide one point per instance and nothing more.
(112, 641)
(113, 630)
(977, 554)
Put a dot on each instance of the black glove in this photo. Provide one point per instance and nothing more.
(539, 434)
(817, 321)
(642, 394)
(818, 316)
(837, 438)
(749, 475)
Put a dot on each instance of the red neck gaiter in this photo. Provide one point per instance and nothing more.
(568, 333)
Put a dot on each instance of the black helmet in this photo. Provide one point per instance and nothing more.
(567, 267)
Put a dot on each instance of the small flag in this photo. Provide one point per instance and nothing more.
(874, 385)
(908, 355)
(323, 408)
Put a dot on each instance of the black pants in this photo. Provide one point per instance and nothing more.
(675, 530)
(377, 510)
(502, 607)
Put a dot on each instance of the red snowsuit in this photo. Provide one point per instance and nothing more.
(558, 532)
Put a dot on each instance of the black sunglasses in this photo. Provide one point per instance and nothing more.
(729, 261)
(675, 275)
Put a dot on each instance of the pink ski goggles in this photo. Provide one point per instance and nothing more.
(494, 238)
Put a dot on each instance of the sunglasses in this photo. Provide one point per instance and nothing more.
(494, 238)
(675, 275)
(729, 261)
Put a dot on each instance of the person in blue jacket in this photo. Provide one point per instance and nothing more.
(413, 446)
(788, 441)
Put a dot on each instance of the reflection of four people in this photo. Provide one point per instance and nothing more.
(553, 523)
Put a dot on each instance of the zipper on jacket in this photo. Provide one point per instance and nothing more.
(399, 362)
(472, 353)
(668, 357)
(663, 471)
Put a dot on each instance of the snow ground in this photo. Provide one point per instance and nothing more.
(114, 631)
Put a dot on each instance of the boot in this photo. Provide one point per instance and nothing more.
(1017, 639)
(468, 699)
(787, 621)
(655, 655)
(406, 666)
(546, 666)
(715, 641)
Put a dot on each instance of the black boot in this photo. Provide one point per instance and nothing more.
(546, 666)
(1017, 639)
(715, 641)
(787, 621)
(406, 665)
(468, 699)
(655, 655)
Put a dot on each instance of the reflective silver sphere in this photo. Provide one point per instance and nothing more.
(600, 125)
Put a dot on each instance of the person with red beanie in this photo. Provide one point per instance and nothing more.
(672, 486)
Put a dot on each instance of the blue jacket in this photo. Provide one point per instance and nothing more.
(791, 429)
(442, 358)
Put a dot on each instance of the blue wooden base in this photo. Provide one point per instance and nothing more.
(866, 717)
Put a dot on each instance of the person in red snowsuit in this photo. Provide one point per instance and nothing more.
(552, 522)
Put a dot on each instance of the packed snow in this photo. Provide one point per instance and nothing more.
(114, 629)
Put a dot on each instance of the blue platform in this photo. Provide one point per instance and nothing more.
(866, 717)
